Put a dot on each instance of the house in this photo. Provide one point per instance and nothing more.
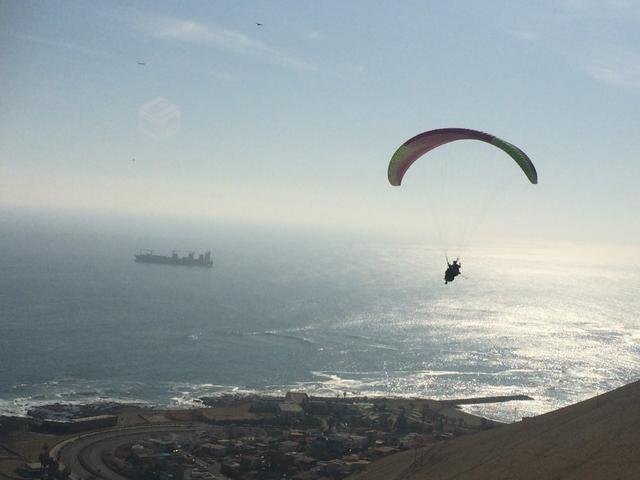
(299, 398)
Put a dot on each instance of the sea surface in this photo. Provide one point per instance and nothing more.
(283, 309)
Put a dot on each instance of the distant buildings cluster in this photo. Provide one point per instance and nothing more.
(296, 436)
(304, 439)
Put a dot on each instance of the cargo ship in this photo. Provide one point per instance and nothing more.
(190, 260)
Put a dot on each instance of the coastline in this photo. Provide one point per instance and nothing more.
(21, 438)
(66, 411)
(591, 434)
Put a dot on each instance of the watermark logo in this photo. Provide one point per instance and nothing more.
(159, 118)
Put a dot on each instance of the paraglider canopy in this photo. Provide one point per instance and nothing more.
(417, 146)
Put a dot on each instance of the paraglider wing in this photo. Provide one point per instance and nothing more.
(417, 146)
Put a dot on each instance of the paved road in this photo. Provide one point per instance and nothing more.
(83, 455)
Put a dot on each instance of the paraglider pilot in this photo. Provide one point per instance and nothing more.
(453, 270)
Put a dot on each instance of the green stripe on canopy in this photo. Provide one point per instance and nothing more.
(519, 156)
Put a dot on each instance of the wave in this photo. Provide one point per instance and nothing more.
(286, 336)
(435, 384)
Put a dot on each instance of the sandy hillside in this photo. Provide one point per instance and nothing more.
(595, 439)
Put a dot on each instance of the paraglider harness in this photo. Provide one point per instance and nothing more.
(453, 270)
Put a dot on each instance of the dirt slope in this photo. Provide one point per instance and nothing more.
(595, 439)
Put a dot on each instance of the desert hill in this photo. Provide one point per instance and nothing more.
(598, 438)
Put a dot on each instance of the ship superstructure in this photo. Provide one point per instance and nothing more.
(190, 260)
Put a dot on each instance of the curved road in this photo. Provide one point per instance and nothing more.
(83, 454)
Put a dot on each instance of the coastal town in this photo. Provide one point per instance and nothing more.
(297, 437)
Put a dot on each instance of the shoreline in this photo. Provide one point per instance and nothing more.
(231, 433)
(64, 411)
(22, 438)
(20, 406)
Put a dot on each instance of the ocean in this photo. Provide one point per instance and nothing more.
(293, 309)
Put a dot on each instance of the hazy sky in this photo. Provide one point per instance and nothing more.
(295, 121)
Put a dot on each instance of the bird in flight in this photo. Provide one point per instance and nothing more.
(142, 63)
(258, 24)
